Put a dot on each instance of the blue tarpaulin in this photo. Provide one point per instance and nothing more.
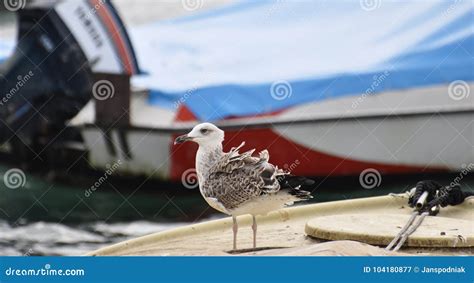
(229, 61)
(252, 57)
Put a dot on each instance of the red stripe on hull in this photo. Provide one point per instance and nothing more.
(115, 34)
(290, 156)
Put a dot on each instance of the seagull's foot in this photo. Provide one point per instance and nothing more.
(254, 229)
(235, 228)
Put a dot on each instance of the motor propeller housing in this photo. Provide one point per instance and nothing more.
(63, 48)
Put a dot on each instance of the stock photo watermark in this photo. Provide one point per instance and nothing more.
(110, 170)
(466, 170)
(193, 88)
(47, 270)
(21, 81)
(84, 15)
(370, 178)
(275, 7)
(103, 89)
(189, 179)
(14, 178)
(376, 83)
(451, 8)
(370, 5)
(459, 90)
(14, 5)
(29, 252)
(192, 5)
(457, 181)
(281, 90)
(184, 97)
(97, 6)
(288, 168)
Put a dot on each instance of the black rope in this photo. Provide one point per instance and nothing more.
(429, 186)
(448, 196)
(438, 195)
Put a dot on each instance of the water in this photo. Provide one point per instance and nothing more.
(47, 217)
(53, 218)
(50, 218)
(49, 238)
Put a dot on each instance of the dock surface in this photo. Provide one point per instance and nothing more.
(283, 233)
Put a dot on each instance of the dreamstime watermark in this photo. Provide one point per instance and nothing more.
(281, 90)
(376, 82)
(273, 8)
(456, 182)
(189, 179)
(370, 178)
(97, 6)
(29, 252)
(21, 81)
(47, 270)
(193, 88)
(110, 170)
(451, 8)
(286, 7)
(370, 5)
(466, 170)
(458, 90)
(288, 169)
(103, 89)
(84, 14)
(14, 5)
(14, 178)
(192, 5)
(184, 97)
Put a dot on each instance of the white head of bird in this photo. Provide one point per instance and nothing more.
(205, 135)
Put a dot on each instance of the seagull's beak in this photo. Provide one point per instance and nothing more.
(181, 139)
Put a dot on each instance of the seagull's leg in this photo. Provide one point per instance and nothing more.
(254, 228)
(234, 229)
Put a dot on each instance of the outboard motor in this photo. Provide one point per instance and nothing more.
(64, 48)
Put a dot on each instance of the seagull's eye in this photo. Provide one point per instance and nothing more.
(204, 131)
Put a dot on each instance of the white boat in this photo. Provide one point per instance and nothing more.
(326, 102)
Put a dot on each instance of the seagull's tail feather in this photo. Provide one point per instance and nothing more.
(293, 184)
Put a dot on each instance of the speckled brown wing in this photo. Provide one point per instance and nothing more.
(237, 178)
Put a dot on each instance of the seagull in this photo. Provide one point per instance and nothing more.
(239, 183)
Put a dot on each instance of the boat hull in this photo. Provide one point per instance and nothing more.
(426, 142)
